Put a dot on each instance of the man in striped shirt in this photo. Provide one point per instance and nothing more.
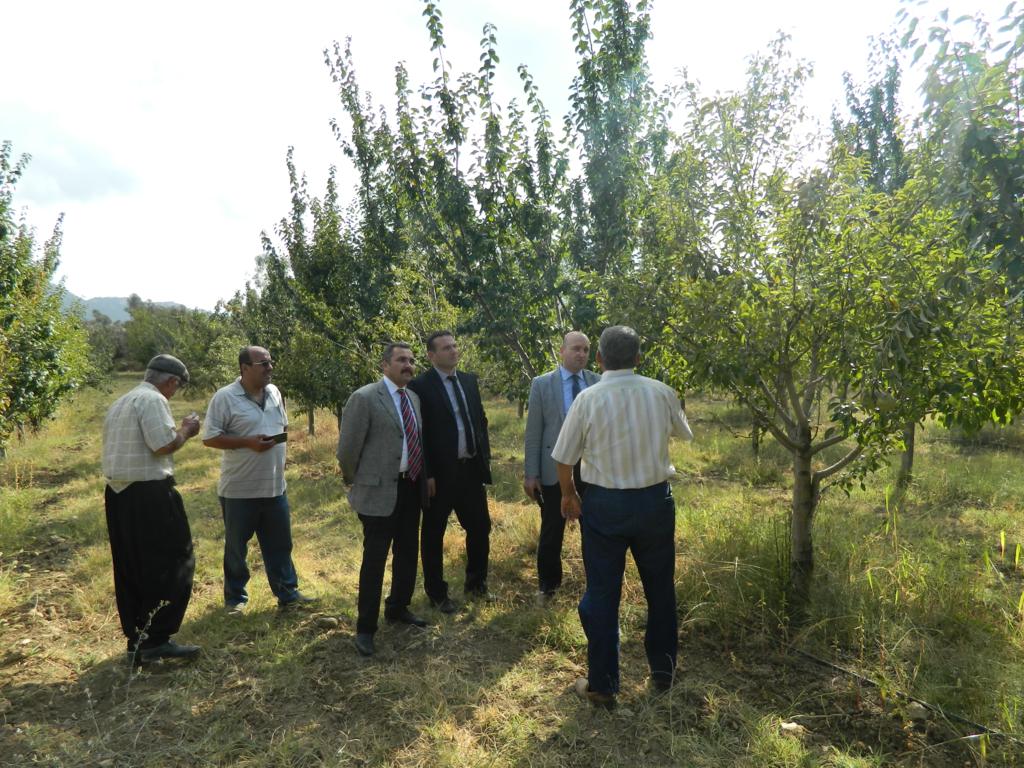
(620, 429)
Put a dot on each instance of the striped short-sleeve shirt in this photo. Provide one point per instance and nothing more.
(620, 428)
(137, 424)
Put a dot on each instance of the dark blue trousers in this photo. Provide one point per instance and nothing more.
(642, 521)
(270, 519)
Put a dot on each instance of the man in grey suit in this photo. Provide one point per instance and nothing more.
(550, 398)
(380, 452)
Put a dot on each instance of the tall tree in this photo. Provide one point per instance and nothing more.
(479, 193)
(43, 351)
(974, 96)
(803, 297)
(207, 342)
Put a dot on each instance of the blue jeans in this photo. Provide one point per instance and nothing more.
(642, 520)
(270, 520)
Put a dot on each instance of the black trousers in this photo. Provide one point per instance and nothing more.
(151, 548)
(552, 532)
(465, 494)
(398, 532)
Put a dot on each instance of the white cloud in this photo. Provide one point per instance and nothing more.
(161, 130)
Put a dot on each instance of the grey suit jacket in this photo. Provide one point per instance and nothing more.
(370, 448)
(543, 422)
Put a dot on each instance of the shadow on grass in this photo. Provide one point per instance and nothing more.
(272, 688)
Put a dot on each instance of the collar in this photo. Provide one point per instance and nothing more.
(392, 387)
(152, 387)
(239, 390)
(621, 373)
(566, 374)
(444, 376)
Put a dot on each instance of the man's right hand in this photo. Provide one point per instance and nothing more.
(261, 443)
(189, 426)
(530, 486)
(572, 506)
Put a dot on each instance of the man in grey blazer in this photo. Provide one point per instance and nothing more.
(380, 452)
(550, 398)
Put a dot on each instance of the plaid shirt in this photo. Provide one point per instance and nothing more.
(620, 427)
(137, 424)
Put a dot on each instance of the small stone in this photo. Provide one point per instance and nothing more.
(917, 712)
(327, 622)
(793, 729)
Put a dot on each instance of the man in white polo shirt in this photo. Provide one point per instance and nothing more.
(620, 428)
(248, 421)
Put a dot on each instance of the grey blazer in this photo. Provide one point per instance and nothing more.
(544, 421)
(370, 448)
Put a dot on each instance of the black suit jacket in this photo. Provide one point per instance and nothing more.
(440, 430)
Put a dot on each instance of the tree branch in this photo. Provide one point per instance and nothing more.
(828, 443)
(853, 455)
(779, 407)
(794, 397)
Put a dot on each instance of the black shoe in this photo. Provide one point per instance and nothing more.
(363, 642)
(660, 683)
(297, 601)
(405, 616)
(444, 606)
(168, 650)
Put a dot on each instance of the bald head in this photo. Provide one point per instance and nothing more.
(575, 351)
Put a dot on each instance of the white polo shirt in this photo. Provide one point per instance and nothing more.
(245, 473)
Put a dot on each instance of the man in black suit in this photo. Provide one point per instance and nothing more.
(458, 455)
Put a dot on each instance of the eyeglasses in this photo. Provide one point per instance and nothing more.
(265, 363)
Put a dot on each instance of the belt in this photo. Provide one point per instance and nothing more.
(466, 460)
(405, 476)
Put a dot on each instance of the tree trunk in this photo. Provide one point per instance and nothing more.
(310, 423)
(906, 471)
(522, 407)
(755, 442)
(339, 418)
(801, 559)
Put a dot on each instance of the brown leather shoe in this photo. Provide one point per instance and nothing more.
(594, 698)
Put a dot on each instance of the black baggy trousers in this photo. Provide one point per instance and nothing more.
(151, 547)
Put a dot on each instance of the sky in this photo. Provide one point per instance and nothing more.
(160, 130)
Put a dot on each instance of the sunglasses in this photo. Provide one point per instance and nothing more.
(265, 363)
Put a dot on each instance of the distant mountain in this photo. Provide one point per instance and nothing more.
(114, 307)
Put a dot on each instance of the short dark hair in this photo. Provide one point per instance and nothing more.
(437, 335)
(619, 347)
(244, 356)
(389, 350)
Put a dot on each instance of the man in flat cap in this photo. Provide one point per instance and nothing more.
(150, 539)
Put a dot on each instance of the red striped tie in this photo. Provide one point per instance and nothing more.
(412, 436)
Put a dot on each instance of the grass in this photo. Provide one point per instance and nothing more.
(925, 600)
